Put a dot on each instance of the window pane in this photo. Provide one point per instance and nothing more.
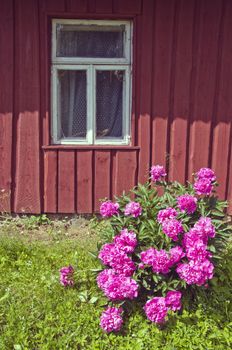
(109, 103)
(90, 41)
(72, 103)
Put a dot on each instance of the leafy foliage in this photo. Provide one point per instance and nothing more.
(149, 231)
(153, 198)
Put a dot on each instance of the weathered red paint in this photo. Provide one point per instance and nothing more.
(181, 108)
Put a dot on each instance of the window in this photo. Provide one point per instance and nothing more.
(91, 81)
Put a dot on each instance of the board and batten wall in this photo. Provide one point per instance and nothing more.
(181, 103)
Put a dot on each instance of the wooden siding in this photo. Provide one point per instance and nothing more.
(181, 103)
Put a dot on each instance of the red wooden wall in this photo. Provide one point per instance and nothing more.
(182, 103)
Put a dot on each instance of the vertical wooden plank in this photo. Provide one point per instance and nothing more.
(53, 5)
(6, 102)
(45, 7)
(145, 93)
(50, 158)
(66, 181)
(84, 181)
(125, 171)
(50, 182)
(91, 6)
(104, 6)
(223, 118)
(205, 85)
(27, 105)
(77, 6)
(101, 177)
(162, 62)
(229, 193)
(136, 68)
(128, 6)
(183, 67)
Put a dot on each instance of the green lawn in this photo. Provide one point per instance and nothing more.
(36, 312)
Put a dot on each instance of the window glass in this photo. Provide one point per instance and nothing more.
(72, 103)
(90, 41)
(109, 103)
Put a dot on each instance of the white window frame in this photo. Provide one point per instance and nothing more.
(91, 65)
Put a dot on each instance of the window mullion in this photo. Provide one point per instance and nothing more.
(89, 106)
(94, 102)
(55, 119)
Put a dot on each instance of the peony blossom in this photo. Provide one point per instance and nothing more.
(111, 319)
(172, 228)
(117, 287)
(173, 300)
(134, 209)
(108, 252)
(203, 186)
(105, 277)
(206, 173)
(168, 213)
(191, 237)
(205, 228)
(161, 262)
(126, 241)
(123, 265)
(187, 203)
(156, 309)
(113, 256)
(196, 272)
(176, 254)
(66, 276)
(158, 259)
(157, 172)
(197, 251)
(108, 209)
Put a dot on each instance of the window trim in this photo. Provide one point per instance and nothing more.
(91, 66)
(91, 105)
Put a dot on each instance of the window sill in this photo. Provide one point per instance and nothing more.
(90, 147)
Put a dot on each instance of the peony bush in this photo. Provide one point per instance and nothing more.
(161, 243)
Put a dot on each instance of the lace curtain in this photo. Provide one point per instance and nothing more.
(73, 85)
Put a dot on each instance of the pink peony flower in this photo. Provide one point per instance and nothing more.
(161, 263)
(157, 172)
(156, 309)
(197, 251)
(187, 203)
(126, 241)
(173, 300)
(108, 209)
(105, 277)
(191, 237)
(134, 209)
(108, 253)
(203, 186)
(111, 319)
(168, 213)
(196, 272)
(205, 228)
(176, 254)
(158, 259)
(123, 265)
(66, 276)
(113, 256)
(117, 287)
(148, 256)
(206, 173)
(172, 228)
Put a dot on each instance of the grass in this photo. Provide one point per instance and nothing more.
(36, 312)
